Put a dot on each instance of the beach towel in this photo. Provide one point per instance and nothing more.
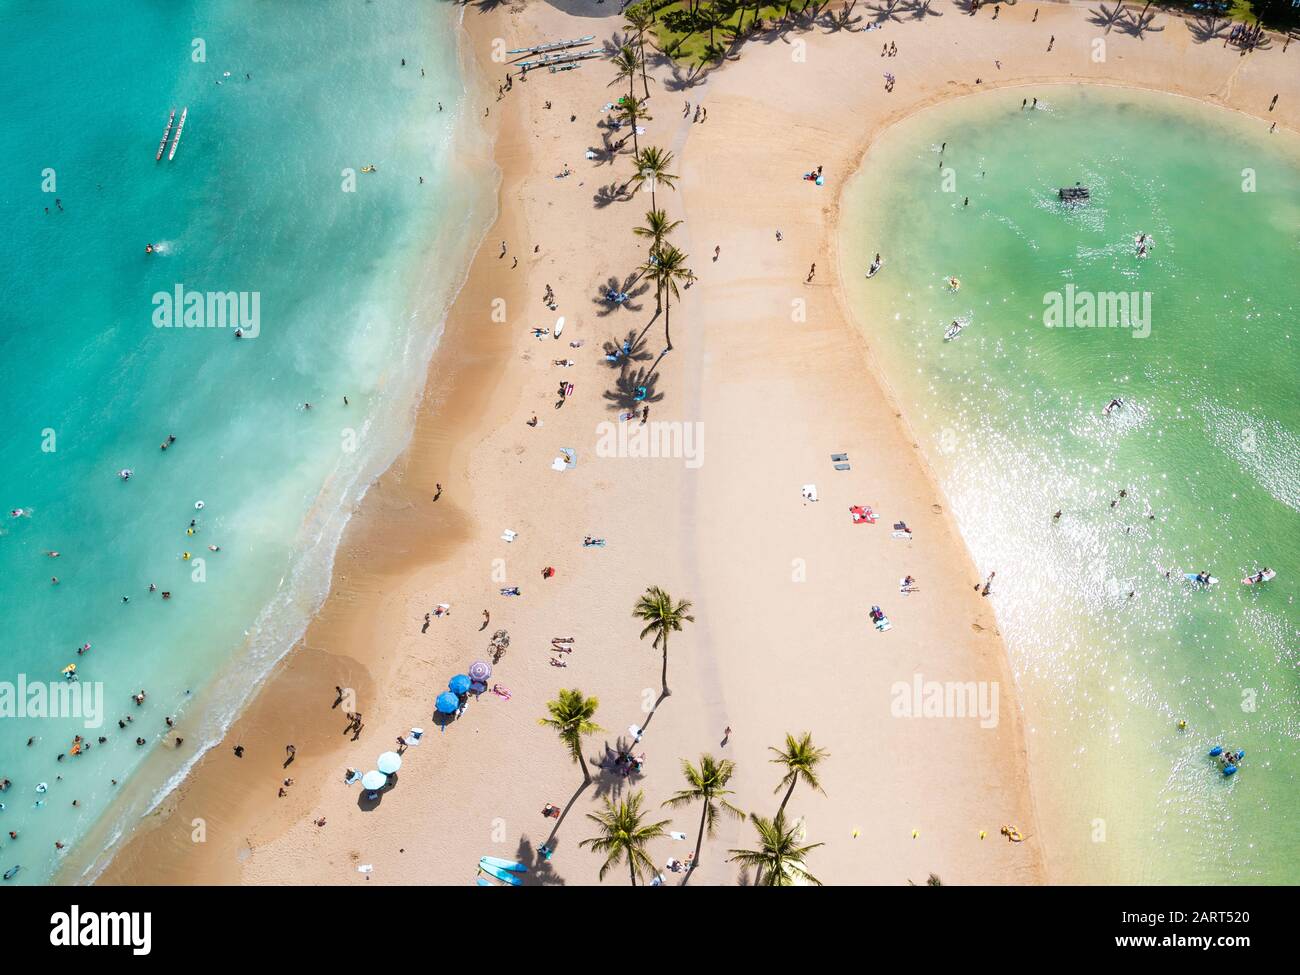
(501, 692)
(862, 515)
(841, 467)
(559, 464)
(809, 492)
(839, 458)
(570, 455)
(509, 535)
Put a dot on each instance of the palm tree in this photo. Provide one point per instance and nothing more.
(662, 616)
(708, 784)
(633, 112)
(622, 834)
(652, 165)
(627, 62)
(571, 715)
(714, 18)
(666, 267)
(640, 19)
(779, 858)
(657, 228)
(932, 881)
(800, 759)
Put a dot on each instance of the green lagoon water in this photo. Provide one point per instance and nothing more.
(1208, 442)
(283, 97)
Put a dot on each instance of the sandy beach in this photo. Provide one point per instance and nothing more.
(770, 374)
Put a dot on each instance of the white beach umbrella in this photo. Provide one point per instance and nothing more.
(373, 780)
(389, 762)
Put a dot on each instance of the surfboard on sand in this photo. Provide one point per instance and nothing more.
(513, 866)
(559, 326)
(505, 876)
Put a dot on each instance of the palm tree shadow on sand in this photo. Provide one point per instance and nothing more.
(636, 351)
(1108, 18)
(540, 872)
(610, 194)
(1208, 28)
(626, 394)
(632, 286)
(610, 780)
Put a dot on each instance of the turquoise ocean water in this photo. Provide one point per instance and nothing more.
(351, 288)
(1208, 442)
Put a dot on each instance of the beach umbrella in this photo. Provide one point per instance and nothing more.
(374, 781)
(447, 703)
(480, 671)
(389, 762)
(459, 684)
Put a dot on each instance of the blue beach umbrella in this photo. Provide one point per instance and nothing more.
(459, 684)
(374, 781)
(447, 703)
(389, 762)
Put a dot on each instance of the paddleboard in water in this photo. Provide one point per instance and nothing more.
(505, 876)
(1250, 580)
(513, 866)
(559, 326)
(1191, 577)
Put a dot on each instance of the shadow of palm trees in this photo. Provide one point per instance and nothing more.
(607, 154)
(1207, 28)
(636, 346)
(1102, 17)
(920, 9)
(540, 872)
(1138, 25)
(626, 394)
(632, 286)
(610, 194)
(682, 78)
(611, 780)
(615, 43)
(843, 19)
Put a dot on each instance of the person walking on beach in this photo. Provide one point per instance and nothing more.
(1050, 43)
(487, 618)
(437, 491)
(811, 271)
(290, 752)
(988, 584)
